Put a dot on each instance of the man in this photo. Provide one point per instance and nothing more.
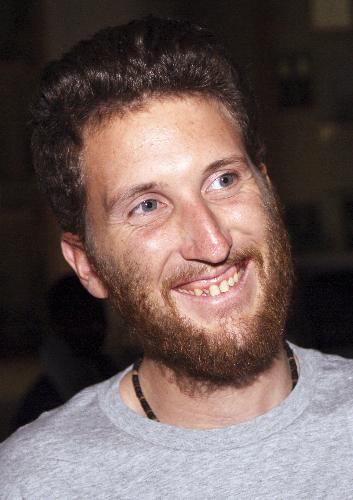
(146, 144)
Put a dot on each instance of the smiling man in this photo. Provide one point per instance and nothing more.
(145, 141)
(184, 237)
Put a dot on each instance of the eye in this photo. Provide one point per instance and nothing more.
(223, 181)
(148, 211)
(145, 207)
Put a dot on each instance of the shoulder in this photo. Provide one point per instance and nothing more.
(331, 375)
(56, 437)
(331, 364)
(329, 380)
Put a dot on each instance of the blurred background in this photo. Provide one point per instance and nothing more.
(298, 54)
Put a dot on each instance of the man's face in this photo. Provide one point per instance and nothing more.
(185, 235)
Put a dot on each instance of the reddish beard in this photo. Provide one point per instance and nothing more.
(244, 346)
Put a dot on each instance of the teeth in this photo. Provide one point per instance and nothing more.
(224, 287)
(214, 290)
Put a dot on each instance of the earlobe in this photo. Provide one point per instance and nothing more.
(75, 255)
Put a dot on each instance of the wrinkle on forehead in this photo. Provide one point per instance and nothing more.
(98, 121)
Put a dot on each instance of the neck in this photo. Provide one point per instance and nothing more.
(203, 409)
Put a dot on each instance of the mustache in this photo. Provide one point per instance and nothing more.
(193, 271)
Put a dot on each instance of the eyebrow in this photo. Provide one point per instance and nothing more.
(224, 162)
(137, 189)
(131, 192)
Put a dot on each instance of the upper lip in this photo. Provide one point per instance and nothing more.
(212, 277)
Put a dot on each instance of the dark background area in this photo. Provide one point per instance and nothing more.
(299, 57)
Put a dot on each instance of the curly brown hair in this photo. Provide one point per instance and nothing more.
(117, 68)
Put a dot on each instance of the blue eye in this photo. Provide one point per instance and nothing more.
(149, 205)
(146, 206)
(223, 181)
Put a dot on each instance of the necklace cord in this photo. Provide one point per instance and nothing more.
(150, 413)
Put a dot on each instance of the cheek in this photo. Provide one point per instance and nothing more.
(148, 250)
(249, 218)
(149, 241)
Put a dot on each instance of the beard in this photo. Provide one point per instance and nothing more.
(202, 359)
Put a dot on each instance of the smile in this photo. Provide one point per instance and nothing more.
(217, 285)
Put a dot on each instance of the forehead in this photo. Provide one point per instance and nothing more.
(166, 137)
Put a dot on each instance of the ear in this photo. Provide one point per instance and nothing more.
(75, 255)
(263, 171)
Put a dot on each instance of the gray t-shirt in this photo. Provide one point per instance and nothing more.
(94, 447)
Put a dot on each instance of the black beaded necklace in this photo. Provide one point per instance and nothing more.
(150, 413)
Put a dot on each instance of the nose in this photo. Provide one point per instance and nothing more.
(204, 237)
